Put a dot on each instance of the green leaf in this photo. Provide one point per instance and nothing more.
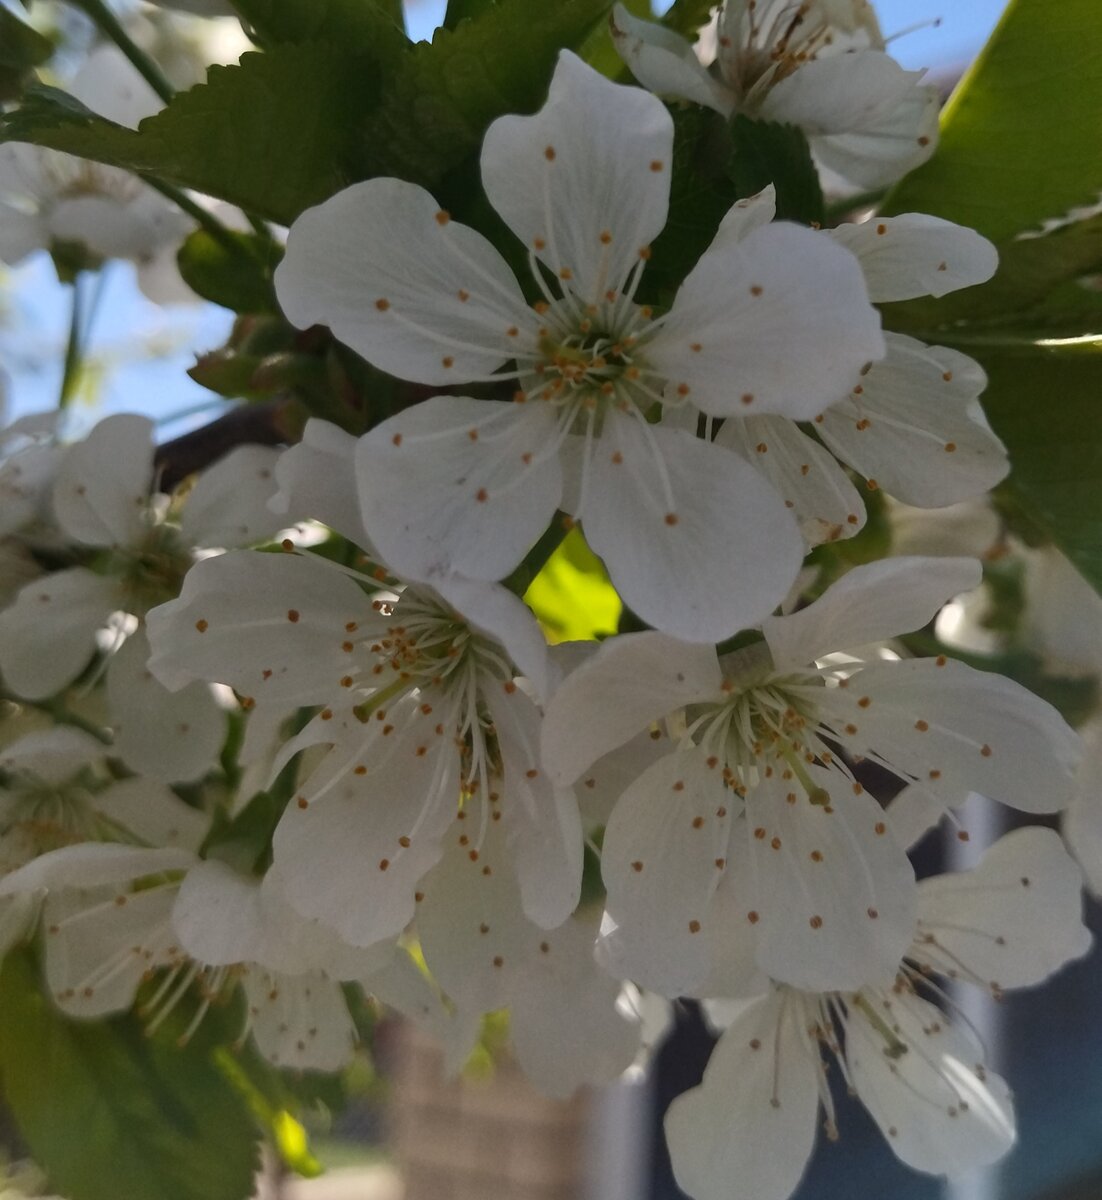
(1019, 140)
(764, 152)
(21, 47)
(1047, 406)
(686, 17)
(349, 22)
(111, 1113)
(572, 596)
(701, 193)
(236, 273)
(442, 95)
(274, 133)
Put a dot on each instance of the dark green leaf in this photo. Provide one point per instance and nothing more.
(1019, 141)
(466, 10)
(236, 273)
(700, 195)
(688, 16)
(111, 1113)
(1046, 404)
(367, 23)
(273, 134)
(21, 47)
(765, 152)
(442, 96)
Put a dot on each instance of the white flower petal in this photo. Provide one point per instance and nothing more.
(814, 487)
(1083, 820)
(48, 636)
(228, 506)
(1012, 921)
(695, 540)
(871, 603)
(631, 681)
(752, 1120)
(154, 813)
(833, 892)
(100, 945)
(776, 320)
(470, 922)
(496, 612)
(564, 1023)
(341, 859)
(415, 293)
(299, 1022)
(459, 486)
(956, 730)
(317, 480)
(914, 426)
(26, 479)
(110, 85)
(54, 755)
(939, 1108)
(746, 215)
(889, 146)
(219, 916)
(841, 93)
(170, 736)
(585, 182)
(917, 255)
(93, 864)
(544, 829)
(272, 626)
(666, 63)
(664, 852)
(21, 234)
(913, 813)
(101, 494)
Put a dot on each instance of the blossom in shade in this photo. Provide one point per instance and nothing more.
(696, 542)
(1011, 921)
(817, 64)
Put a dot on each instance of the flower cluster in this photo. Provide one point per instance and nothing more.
(329, 642)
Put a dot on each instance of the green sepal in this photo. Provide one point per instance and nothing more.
(235, 272)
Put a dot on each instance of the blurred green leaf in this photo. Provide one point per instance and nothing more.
(1046, 404)
(1020, 137)
(111, 1113)
(442, 95)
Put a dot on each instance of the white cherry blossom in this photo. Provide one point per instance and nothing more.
(49, 199)
(818, 64)
(1012, 921)
(826, 887)
(911, 424)
(420, 713)
(137, 552)
(695, 541)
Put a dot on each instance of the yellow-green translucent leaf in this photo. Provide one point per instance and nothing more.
(572, 596)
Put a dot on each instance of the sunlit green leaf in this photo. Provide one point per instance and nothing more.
(572, 596)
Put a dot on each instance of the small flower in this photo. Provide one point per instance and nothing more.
(828, 889)
(1012, 921)
(695, 541)
(102, 505)
(420, 711)
(818, 64)
(55, 201)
